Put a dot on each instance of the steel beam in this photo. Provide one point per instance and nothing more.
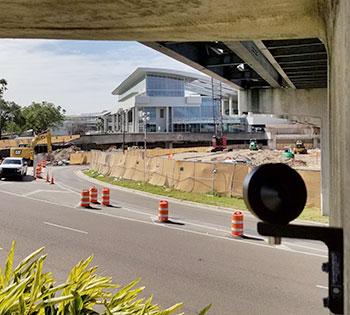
(251, 55)
(190, 55)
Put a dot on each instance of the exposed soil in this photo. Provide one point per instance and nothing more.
(312, 160)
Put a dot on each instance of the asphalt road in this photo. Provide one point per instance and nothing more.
(194, 261)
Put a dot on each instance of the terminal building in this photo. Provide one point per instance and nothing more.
(164, 100)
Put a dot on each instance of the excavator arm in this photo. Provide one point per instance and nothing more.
(46, 135)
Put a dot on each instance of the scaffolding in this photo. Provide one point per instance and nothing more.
(216, 88)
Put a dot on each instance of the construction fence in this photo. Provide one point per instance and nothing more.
(79, 158)
(190, 176)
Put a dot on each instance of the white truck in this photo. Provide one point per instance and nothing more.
(13, 168)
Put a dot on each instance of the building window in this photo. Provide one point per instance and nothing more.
(161, 113)
(165, 86)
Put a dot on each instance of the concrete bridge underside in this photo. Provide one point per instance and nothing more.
(233, 23)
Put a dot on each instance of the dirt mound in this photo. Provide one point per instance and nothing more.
(255, 158)
(62, 154)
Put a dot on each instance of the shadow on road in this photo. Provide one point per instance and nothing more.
(27, 178)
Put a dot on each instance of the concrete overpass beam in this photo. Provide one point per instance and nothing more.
(310, 102)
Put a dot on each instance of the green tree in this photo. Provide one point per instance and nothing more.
(99, 126)
(42, 116)
(11, 119)
(3, 88)
(15, 122)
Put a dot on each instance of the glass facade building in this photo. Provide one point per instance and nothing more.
(176, 102)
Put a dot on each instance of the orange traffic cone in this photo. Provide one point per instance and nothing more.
(47, 177)
(52, 180)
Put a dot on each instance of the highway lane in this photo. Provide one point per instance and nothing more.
(189, 263)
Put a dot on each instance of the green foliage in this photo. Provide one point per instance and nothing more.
(28, 291)
(11, 118)
(3, 87)
(42, 116)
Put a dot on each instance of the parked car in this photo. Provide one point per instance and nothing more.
(13, 167)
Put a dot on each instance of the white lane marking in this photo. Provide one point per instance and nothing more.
(322, 287)
(139, 212)
(65, 187)
(43, 190)
(158, 225)
(65, 227)
(307, 247)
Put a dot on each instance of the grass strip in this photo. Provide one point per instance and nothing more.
(308, 214)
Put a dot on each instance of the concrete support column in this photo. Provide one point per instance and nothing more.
(338, 30)
(105, 124)
(222, 107)
(167, 109)
(230, 106)
(242, 100)
(117, 122)
(133, 119)
(325, 165)
(126, 123)
(168, 145)
(113, 123)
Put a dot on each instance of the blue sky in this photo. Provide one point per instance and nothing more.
(77, 75)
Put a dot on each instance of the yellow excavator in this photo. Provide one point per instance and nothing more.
(300, 147)
(28, 152)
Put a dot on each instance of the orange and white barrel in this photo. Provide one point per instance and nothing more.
(237, 224)
(43, 163)
(105, 197)
(163, 211)
(38, 171)
(84, 200)
(93, 194)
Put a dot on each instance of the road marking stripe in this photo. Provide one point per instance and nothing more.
(65, 187)
(43, 190)
(307, 247)
(322, 287)
(65, 227)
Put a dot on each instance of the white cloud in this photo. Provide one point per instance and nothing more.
(79, 76)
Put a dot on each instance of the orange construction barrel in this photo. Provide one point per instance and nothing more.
(38, 172)
(84, 201)
(237, 224)
(163, 211)
(43, 163)
(105, 197)
(93, 194)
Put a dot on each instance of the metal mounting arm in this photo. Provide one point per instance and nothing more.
(333, 238)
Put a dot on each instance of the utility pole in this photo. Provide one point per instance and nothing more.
(11, 115)
(145, 118)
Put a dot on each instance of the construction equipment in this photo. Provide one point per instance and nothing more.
(253, 145)
(218, 140)
(288, 152)
(28, 152)
(300, 147)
